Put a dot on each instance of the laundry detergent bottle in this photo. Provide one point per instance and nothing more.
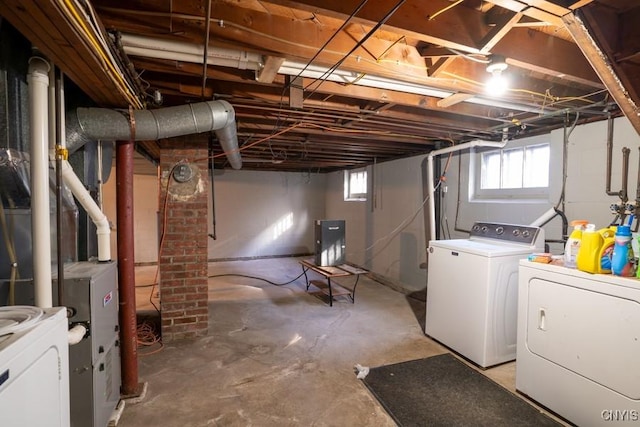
(622, 260)
(606, 251)
(573, 243)
(588, 258)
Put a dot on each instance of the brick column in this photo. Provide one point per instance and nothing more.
(183, 250)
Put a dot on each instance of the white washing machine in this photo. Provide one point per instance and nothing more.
(472, 290)
(579, 344)
(34, 367)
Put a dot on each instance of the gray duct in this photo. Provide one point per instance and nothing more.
(92, 124)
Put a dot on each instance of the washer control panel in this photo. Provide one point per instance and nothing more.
(523, 234)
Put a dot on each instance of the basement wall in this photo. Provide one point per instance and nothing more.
(145, 214)
(262, 214)
(585, 187)
(395, 254)
(386, 234)
(251, 204)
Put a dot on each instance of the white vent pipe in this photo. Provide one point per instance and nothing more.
(76, 334)
(91, 124)
(38, 81)
(149, 47)
(430, 183)
(93, 210)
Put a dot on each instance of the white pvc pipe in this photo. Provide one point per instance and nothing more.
(430, 183)
(80, 192)
(93, 210)
(544, 218)
(189, 52)
(76, 334)
(38, 81)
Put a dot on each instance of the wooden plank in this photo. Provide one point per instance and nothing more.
(607, 74)
(270, 70)
(499, 31)
(524, 48)
(47, 28)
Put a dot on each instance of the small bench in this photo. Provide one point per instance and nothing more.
(327, 287)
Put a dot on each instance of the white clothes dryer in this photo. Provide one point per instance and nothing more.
(579, 344)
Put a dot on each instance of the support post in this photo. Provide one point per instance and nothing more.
(126, 268)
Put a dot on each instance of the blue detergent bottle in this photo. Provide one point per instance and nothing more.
(622, 260)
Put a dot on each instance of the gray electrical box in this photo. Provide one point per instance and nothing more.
(330, 248)
(91, 290)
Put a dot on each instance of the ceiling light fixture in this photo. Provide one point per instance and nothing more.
(497, 84)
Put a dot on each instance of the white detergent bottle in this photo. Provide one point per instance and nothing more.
(573, 243)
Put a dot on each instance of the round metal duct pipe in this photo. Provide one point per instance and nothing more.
(92, 124)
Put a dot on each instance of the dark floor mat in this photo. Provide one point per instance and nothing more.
(442, 391)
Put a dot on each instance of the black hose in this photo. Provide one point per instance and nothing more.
(258, 278)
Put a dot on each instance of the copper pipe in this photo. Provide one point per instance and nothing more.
(126, 272)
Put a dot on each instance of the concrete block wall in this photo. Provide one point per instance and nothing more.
(183, 246)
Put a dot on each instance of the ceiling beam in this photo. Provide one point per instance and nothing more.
(607, 74)
(47, 28)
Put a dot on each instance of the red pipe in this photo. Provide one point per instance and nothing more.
(126, 268)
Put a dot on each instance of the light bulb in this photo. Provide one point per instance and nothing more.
(497, 84)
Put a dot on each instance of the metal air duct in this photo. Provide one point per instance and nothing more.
(92, 124)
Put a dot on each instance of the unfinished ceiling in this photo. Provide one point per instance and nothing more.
(321, 85)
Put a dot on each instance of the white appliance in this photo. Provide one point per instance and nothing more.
(472, 290)
(34, 367)
(579, 344)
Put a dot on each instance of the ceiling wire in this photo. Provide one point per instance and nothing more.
(322, 48)
(443, 10)
(205, 59)
(371, 32)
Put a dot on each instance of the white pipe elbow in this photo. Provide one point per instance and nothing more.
(93, 210)
(76, 334)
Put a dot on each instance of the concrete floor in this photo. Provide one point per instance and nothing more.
(278, 356)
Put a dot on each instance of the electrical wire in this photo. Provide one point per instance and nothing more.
(257, 278)
(371, 32)
(147, 336)
(565, 153)
(441, 11)
(322, 49)
(545, 96)
(100, 47)
(391, 235)
(408, 220)
(458, 200)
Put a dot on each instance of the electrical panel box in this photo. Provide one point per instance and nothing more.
(330, 242)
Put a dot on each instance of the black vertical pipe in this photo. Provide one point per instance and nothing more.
(126, 267)
(213, 193)
(437, 195)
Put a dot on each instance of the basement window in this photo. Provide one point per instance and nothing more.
(517, 171)
(355, 185)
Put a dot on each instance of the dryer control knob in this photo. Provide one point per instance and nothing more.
(516, 232)
(499, 230)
